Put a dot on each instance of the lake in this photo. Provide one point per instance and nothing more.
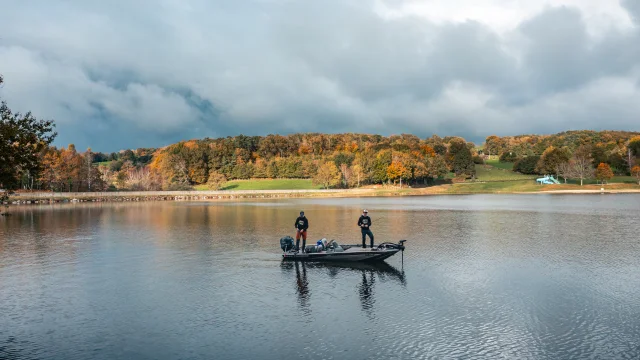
(483, 277)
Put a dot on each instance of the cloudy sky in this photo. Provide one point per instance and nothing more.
(126, 74)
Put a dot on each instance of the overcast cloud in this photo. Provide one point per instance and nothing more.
(125, 74)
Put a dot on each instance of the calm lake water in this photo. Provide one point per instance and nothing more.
(483, 277)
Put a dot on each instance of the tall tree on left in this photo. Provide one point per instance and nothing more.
(22, 139)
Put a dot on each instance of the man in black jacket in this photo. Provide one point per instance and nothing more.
(301, 225)
(365, 223)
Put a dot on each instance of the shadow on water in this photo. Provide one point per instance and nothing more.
(369, 273)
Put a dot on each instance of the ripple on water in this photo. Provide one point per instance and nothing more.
(483, 278)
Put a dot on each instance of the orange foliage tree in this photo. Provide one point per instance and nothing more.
(635, 171)
(604, 173)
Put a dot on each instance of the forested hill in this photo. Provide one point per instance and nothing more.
(342, 160)
(28, 162)
(536, 144)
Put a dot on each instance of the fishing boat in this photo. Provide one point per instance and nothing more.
(332, 251)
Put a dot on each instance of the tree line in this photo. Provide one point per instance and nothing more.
(331, 160)
(572, 155)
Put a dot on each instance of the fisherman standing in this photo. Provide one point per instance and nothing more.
(365, 223)
(301, 225)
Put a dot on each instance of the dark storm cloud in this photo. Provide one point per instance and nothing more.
(130, 74)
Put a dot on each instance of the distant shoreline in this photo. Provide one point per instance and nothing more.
(456, 189)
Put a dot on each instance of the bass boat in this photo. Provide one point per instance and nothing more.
(332, 251)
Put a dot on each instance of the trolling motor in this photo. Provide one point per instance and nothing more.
(401, 242)
(399, 245)
(390, 245)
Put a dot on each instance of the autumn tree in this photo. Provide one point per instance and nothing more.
(364, 161)
(633, 150)
(121, 180)
(603, 173)
(634, 145)
(357, 176)
(635, 171)
(580, 166)
(243, 170)
(69, 168)
(178, 179)
(460, 158)
(527, 165)
(551, 158)
(88, 161)
(216, 180)
(50, 175)
(397, 171)
(328, 175)
(599, 154)
(437, 167)
(141, 178)
(260, 169)
(563, 170)
(107, 176)
(493, 145)
(345, 171)
(381, 163)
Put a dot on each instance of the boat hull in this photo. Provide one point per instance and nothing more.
(350, 255)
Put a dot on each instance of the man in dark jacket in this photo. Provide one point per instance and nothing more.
(365, 223)
(301, 225)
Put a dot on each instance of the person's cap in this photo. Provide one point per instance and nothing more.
(365, 211)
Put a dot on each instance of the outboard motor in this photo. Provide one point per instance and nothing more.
(286, 243)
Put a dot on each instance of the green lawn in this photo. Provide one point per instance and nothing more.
(266, 184)
(491, 173)
(614, 180)
(498, 164)
(494, 187)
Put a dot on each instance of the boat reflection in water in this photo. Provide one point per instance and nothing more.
(369, 273)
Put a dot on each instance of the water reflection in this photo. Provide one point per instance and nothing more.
(369, 273)
(302, 289)
(365, 290)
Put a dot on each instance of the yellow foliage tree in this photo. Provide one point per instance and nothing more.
(328, 175)
(216, 180)
(397, 171)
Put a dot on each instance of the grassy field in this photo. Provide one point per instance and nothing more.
(614, 180)
(498, 171)
(500, 165)
(491, 173)
(266, 184)
(525, 187)
(494, 187)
